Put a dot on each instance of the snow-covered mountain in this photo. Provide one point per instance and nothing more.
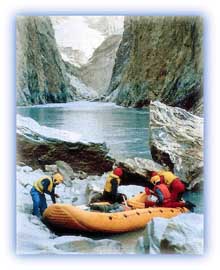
(79, 36)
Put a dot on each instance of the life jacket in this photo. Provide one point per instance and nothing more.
(167, 177)
(108, 185)
(165, 191)
(38, 184)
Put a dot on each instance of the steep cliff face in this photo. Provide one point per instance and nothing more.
(40, 71)
(159, 58)
(97, 73)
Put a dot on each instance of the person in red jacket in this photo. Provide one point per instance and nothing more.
(175, 185)
(161, 191)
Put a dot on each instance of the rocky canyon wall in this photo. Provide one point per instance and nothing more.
(98, 71)
(159, 58)
(40, 72)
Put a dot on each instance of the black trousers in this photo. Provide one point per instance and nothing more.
(109, 197)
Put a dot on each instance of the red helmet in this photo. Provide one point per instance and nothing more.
(118, 171)
(153, 173)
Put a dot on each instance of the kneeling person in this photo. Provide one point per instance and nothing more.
(110, 193)
(163, 194)
(175, 185)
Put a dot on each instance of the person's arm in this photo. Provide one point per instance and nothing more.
(149, 185)
(45, 184)
(114, 191)
(147, 191)
(53, 195)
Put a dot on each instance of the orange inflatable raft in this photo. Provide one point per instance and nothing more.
(68, 217)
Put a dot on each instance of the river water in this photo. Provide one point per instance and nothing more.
(125, 131)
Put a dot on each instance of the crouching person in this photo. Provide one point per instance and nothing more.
(175, 185)
(45, 184)
(164, 198)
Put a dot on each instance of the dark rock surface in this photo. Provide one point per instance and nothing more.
(137, 171)
(91, 158)
(40, 72)
(159, 58)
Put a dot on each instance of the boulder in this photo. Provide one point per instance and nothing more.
(51, 168)
(32, 235)
(65, 169)
(176, 141)
(85, 245)
(38, 146)
(140, 166)
(93, 192)
(137, 170)
(179, 235)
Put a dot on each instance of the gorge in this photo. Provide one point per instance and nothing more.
(134, 89)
